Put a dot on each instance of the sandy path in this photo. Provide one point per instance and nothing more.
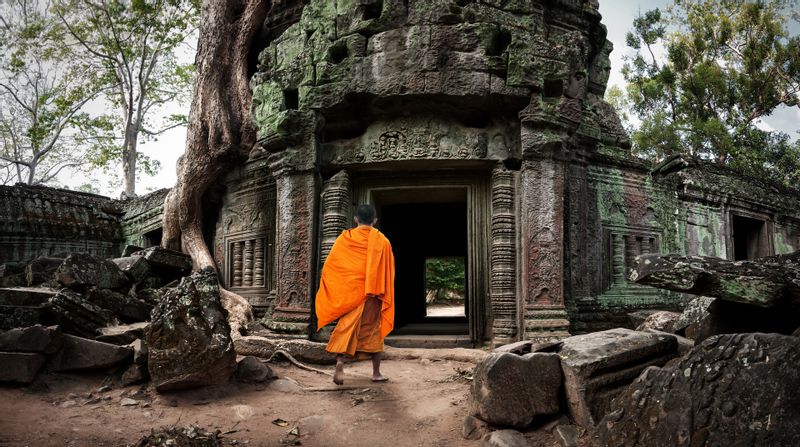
(423, 405)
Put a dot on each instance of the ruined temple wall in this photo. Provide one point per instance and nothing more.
(41, 221)
(244, 234)
(142, 222)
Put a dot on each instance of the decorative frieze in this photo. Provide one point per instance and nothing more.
(503, 283)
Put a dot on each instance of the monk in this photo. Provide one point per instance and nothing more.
(357, 288)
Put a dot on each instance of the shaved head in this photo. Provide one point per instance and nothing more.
(365, 214)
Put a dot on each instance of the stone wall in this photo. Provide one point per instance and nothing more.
(42, 221)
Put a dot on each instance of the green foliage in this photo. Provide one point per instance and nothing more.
(445, 274)
(43, 126)
(134, 47)
(702, 76)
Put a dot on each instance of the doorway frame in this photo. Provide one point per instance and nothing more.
(476, 184)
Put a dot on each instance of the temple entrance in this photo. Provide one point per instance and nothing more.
(429, 241)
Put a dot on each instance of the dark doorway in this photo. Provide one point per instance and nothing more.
(153, 238)
(749, 238)
(420, 232)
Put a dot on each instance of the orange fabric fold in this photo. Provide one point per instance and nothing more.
(360, 263)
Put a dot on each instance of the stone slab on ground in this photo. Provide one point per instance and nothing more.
(23, 316)
(81, 354)
(25, 296)
(122, 334)
(661, 320)
(504, 438)
(252, 369)
(20, 367)
(38, 338)
(512, 390)
(599, 365)
(730, 390)
(81, 270)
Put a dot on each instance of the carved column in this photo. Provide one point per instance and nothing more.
(544, 138)
(336, 210)
(294, 255)
(503, 284)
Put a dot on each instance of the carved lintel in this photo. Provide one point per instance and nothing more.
(542, 233)
(336, 210)
(502, 286)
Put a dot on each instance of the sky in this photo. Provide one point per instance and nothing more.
(617, 15)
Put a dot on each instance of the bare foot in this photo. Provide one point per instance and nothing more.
(338, 376)
(380, 378)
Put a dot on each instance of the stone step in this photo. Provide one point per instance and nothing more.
(25, 296)
(429, 341)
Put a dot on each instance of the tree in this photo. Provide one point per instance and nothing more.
(133, 44)
(43, 127)
(220, 134)
(442, 275)
(725, 65)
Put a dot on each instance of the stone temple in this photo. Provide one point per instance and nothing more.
(479, 131)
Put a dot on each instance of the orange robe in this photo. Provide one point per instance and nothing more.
(360, 264)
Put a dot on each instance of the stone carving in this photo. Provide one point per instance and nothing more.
(503, 284)
(336, 210)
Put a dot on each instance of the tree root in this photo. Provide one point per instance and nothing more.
(296, 362)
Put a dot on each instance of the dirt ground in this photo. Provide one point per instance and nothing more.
(423, 404)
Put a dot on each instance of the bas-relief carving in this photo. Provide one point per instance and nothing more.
(336, 210)
(503, 256)
(433, 138)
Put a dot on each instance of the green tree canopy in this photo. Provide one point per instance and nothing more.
(704, 73)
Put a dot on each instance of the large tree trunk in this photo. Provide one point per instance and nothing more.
(219, 134)
(129, 161)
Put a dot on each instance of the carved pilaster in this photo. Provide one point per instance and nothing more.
(296, 192)
(336, 210)
(503, 287)
(542, 255)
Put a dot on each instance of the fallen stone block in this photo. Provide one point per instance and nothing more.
(189, 338)
(693, 314)
(23, 316)
(136, 268)
(41, 270)
(12, 274)
(140, 352)
(763, 282)
(519, 348)
(81, 353)
(127, 308)
(730, 390)
(134, 374)
(130, 249)
(251, 369)
(38, 338)
(123, 334)
(164, 259)
(504, 438)
(78, 316)
(20, 367)
(80, 271)
(512, 390)
(599, 365)
(474, 428)
(25, 296)
(660, 321)
(303, 350)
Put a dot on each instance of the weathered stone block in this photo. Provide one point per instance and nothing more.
(135, 268)
(127, 308)
(25, 296)
(504, 438)
(473, 428)
(189, 338)
(20, 367)
(42, 269)
(80, 270)
(659, 321)
(599, 365)
(251, 369)
(737, 389)
(32, 339)
(164, 259)
(81, 353)
(134, 374)
(512, 390)
(23, 316)
(123, 334)
(78, 316)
